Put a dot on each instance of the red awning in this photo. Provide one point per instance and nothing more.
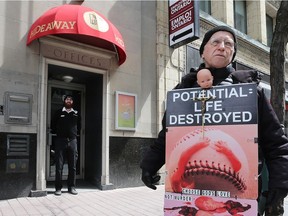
(80, 24)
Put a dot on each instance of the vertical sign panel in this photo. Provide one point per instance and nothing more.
(183, 22)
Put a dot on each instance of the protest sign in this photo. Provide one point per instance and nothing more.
(212, 150)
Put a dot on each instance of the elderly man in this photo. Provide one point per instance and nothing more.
(218, 49)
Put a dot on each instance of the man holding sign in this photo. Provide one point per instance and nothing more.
(218, 50)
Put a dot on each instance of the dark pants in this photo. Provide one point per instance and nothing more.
(65, 147)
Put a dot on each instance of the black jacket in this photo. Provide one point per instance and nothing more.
(66, 125)
(273, 144)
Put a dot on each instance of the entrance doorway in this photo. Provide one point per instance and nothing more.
(56, 93)
(87, 89)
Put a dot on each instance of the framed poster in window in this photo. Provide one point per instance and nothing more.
(125, 111)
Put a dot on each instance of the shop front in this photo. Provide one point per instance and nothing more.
(78, 49)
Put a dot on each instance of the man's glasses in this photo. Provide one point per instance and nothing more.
(217, 41)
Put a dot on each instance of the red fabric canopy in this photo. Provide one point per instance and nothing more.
(81, 24)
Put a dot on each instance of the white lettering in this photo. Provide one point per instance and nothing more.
(179, 5)
(51, 26)
(220, 117)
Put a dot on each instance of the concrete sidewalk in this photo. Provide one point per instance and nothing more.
(137, 201)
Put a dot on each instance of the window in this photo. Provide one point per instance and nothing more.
(193, 59)
(240, 16)
(205, 5)
(269, 28)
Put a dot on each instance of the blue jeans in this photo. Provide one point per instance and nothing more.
(65, 147)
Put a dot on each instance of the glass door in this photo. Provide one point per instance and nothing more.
(56, 94)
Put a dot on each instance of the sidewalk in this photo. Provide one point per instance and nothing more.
(137, 201)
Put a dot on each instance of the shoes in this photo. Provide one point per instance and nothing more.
(58, 192)
(72, 191)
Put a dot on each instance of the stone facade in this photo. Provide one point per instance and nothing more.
(252, 49)
(108, 157)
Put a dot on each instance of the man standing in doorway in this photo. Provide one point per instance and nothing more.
(67, 125)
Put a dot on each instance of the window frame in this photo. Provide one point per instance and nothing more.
(242, 26)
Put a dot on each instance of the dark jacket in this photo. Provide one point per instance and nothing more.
(273, 144)
(66, 125)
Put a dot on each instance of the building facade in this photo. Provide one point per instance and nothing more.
(36, 74)
(120, 92)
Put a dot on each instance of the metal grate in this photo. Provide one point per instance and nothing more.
(18, 108)
(17, 145)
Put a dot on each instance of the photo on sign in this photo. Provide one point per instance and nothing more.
(214, 159)
(176, 205)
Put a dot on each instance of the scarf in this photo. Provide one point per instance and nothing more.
(221, 76)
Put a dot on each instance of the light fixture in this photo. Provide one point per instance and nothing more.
(67, 79)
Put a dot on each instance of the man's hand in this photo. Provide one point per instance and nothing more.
(274, 202)
(150, 180)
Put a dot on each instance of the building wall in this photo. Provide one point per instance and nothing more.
(21, 71)
(18, 172)
(138, 76)
(17, 75)
(20, 64)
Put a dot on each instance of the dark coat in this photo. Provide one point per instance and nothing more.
(66, 125)
(273, 144)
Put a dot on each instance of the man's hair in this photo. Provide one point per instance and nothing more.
(68, 96)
